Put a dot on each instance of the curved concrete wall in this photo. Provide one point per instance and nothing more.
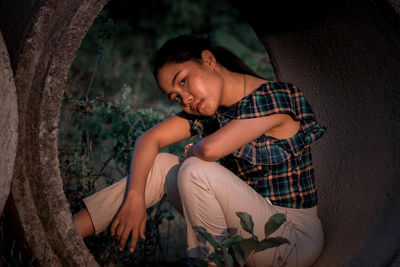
(43, 45)
(8, 124)
(343, 58)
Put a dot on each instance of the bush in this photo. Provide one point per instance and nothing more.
(95, 148)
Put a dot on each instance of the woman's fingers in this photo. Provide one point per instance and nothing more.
(128, 223)
(114, 225)
(187, 150)
(123, 231)
(134, 231)
(124, 238)
(120, 232)
(132, 246)
(135, 235)
(143, 228)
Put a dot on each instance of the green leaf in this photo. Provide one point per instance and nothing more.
(209, 238)
(238, 253)
(227, 258)
(271, 242)
(273, 224)
(246, 222)
(248, 245)
(216, 259)
(232, 240)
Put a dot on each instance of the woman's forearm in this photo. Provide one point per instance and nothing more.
(146, 149)
(168, 132)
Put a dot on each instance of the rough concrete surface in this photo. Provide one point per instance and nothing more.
(346, 63)
(344, 59)
(41, 62)
(8, 124)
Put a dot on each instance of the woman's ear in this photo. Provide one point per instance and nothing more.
(208, 59)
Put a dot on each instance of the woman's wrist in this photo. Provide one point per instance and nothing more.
(133, 194)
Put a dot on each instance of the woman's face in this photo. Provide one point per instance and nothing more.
(197, 88)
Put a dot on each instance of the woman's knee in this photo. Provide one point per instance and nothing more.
(162, 164)
(189, 172)
(163, 159)
(159, 175)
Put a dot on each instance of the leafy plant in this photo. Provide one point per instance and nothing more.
(95, 145)
(236, 248)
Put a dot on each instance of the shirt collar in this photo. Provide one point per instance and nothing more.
(233, 111)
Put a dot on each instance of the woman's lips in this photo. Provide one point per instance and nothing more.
(196, 107)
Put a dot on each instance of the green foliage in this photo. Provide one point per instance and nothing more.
(246, 221)
(98, 135)
(274, 223)
(237, 248)
(96, 143)
(126, 35)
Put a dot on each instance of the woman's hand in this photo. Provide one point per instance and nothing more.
(131, 219)
(187, 150)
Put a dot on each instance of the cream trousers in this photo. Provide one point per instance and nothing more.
(208, 195)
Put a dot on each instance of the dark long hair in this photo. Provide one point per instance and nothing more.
(187, 47)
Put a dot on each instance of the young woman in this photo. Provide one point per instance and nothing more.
(254, 156)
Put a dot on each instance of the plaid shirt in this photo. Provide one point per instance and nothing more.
(281, 170)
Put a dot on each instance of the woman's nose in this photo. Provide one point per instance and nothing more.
(187, 99)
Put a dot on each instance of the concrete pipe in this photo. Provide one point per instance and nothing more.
(42, 38)
(8, 124)
(345, 57)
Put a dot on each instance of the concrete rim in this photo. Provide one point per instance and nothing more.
(8, 123)
(40, 74)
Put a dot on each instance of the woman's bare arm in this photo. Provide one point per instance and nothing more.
(239, 132)
(131, 219)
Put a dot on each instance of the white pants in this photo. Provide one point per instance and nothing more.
(209, 195)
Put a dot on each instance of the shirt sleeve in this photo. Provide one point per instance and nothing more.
(274, 98)
(278, 97)
(196, 123)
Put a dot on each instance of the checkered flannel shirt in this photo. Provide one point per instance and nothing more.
(281, 170)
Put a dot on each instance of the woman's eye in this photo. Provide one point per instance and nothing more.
(183, 81)
(176, 98)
